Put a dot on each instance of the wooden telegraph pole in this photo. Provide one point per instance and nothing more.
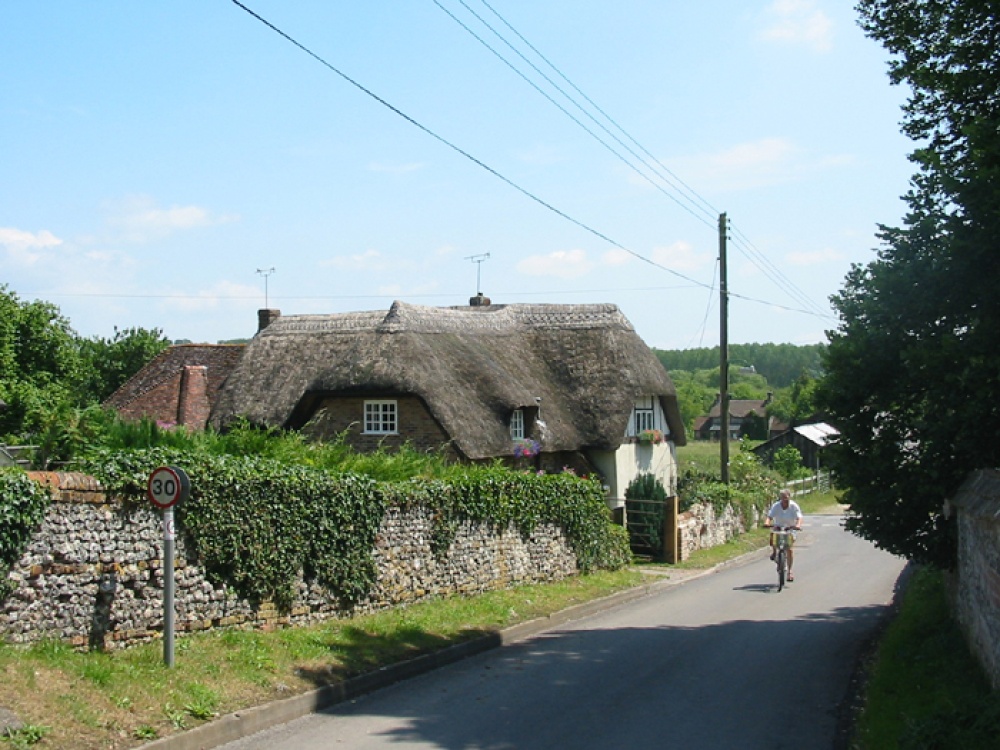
(723, 354)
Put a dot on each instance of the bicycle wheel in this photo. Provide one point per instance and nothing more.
(781, 569)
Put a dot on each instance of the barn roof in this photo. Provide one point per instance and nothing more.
(472, 366)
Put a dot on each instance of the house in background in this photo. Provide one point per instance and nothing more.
(575, 383)
(178, 386)
(809, 439)
(743, 413)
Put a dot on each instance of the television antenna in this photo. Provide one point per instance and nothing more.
(478, 260)
(265, 272)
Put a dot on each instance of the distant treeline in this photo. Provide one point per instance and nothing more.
(780, 364)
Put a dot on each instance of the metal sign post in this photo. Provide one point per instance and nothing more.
(167, 486)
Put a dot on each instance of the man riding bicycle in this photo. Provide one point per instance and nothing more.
(787, 514)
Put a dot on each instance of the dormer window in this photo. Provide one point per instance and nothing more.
(517, 424)
(643, 416)
(647, 414)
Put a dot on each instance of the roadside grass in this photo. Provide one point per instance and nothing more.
(123, 699)
(924, 688)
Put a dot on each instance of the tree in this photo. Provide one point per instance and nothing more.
(51, 379)
(110, 362)
(912, 366)
(797, 403)
(39, 362)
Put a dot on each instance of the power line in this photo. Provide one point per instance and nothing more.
(712, 211)
(757, 258)
(595, 136)
(497, 174)
(462, 152)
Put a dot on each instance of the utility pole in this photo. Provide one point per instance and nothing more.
(265, 272)
(723, 353)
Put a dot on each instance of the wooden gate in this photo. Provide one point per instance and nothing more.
(652, 528)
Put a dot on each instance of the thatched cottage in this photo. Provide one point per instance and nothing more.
(486, 381)
(538, 386)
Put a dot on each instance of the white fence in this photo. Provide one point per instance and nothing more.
(821, 481)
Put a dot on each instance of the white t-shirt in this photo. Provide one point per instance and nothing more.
(785, 516)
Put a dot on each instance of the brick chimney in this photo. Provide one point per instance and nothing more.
(193, 406)
(266, 317)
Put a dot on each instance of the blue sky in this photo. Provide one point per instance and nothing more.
(159, 159)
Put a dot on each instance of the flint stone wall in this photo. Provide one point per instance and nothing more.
(976, 583)
(701, 527)
(93, 573)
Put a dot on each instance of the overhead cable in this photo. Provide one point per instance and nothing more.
(462, 152)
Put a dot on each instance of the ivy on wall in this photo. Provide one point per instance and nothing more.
(22, 508)
(255, 523)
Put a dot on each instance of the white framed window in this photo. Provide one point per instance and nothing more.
(643, 416)
(381, 417)
(517, 424)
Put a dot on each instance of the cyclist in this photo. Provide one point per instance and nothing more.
(787, 514)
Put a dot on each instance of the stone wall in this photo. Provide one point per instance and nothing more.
(976, 590)
(93, 574)
(701, 527)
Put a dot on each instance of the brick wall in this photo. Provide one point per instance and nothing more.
(156, 403)
(93, 574)
(336, 415)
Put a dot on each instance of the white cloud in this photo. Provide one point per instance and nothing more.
(25, 248)
(211, 298)
(681, 256)
(798, 22)
(564, 264)
(756, 164)
(616, 257)
(369, 260)
(814, 258)
(141, 220)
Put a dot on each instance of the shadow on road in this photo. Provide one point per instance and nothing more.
(696, 687)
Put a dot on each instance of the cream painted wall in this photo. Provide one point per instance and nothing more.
(631, 459)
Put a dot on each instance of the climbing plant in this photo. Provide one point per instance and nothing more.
(257, 524)
(22, 508)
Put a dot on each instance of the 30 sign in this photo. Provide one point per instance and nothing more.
(167, 486)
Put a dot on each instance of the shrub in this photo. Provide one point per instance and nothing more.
(787, 461)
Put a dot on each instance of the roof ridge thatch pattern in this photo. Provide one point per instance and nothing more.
(404, 317)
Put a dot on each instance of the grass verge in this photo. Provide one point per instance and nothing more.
(125, 698)
(925, 691)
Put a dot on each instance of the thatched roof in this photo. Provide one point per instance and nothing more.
(470, 365)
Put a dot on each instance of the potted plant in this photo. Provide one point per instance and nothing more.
(651, 436)
(526, 447)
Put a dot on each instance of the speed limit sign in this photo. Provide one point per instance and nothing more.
(167, 486)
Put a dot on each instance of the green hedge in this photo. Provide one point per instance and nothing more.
(256, 523)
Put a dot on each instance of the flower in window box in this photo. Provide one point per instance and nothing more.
(526, 447)
(651, 436)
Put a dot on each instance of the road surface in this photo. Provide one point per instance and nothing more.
(723, 661)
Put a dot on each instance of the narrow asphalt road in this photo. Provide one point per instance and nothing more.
(722, 661)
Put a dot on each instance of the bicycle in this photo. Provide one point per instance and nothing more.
(782, 538)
